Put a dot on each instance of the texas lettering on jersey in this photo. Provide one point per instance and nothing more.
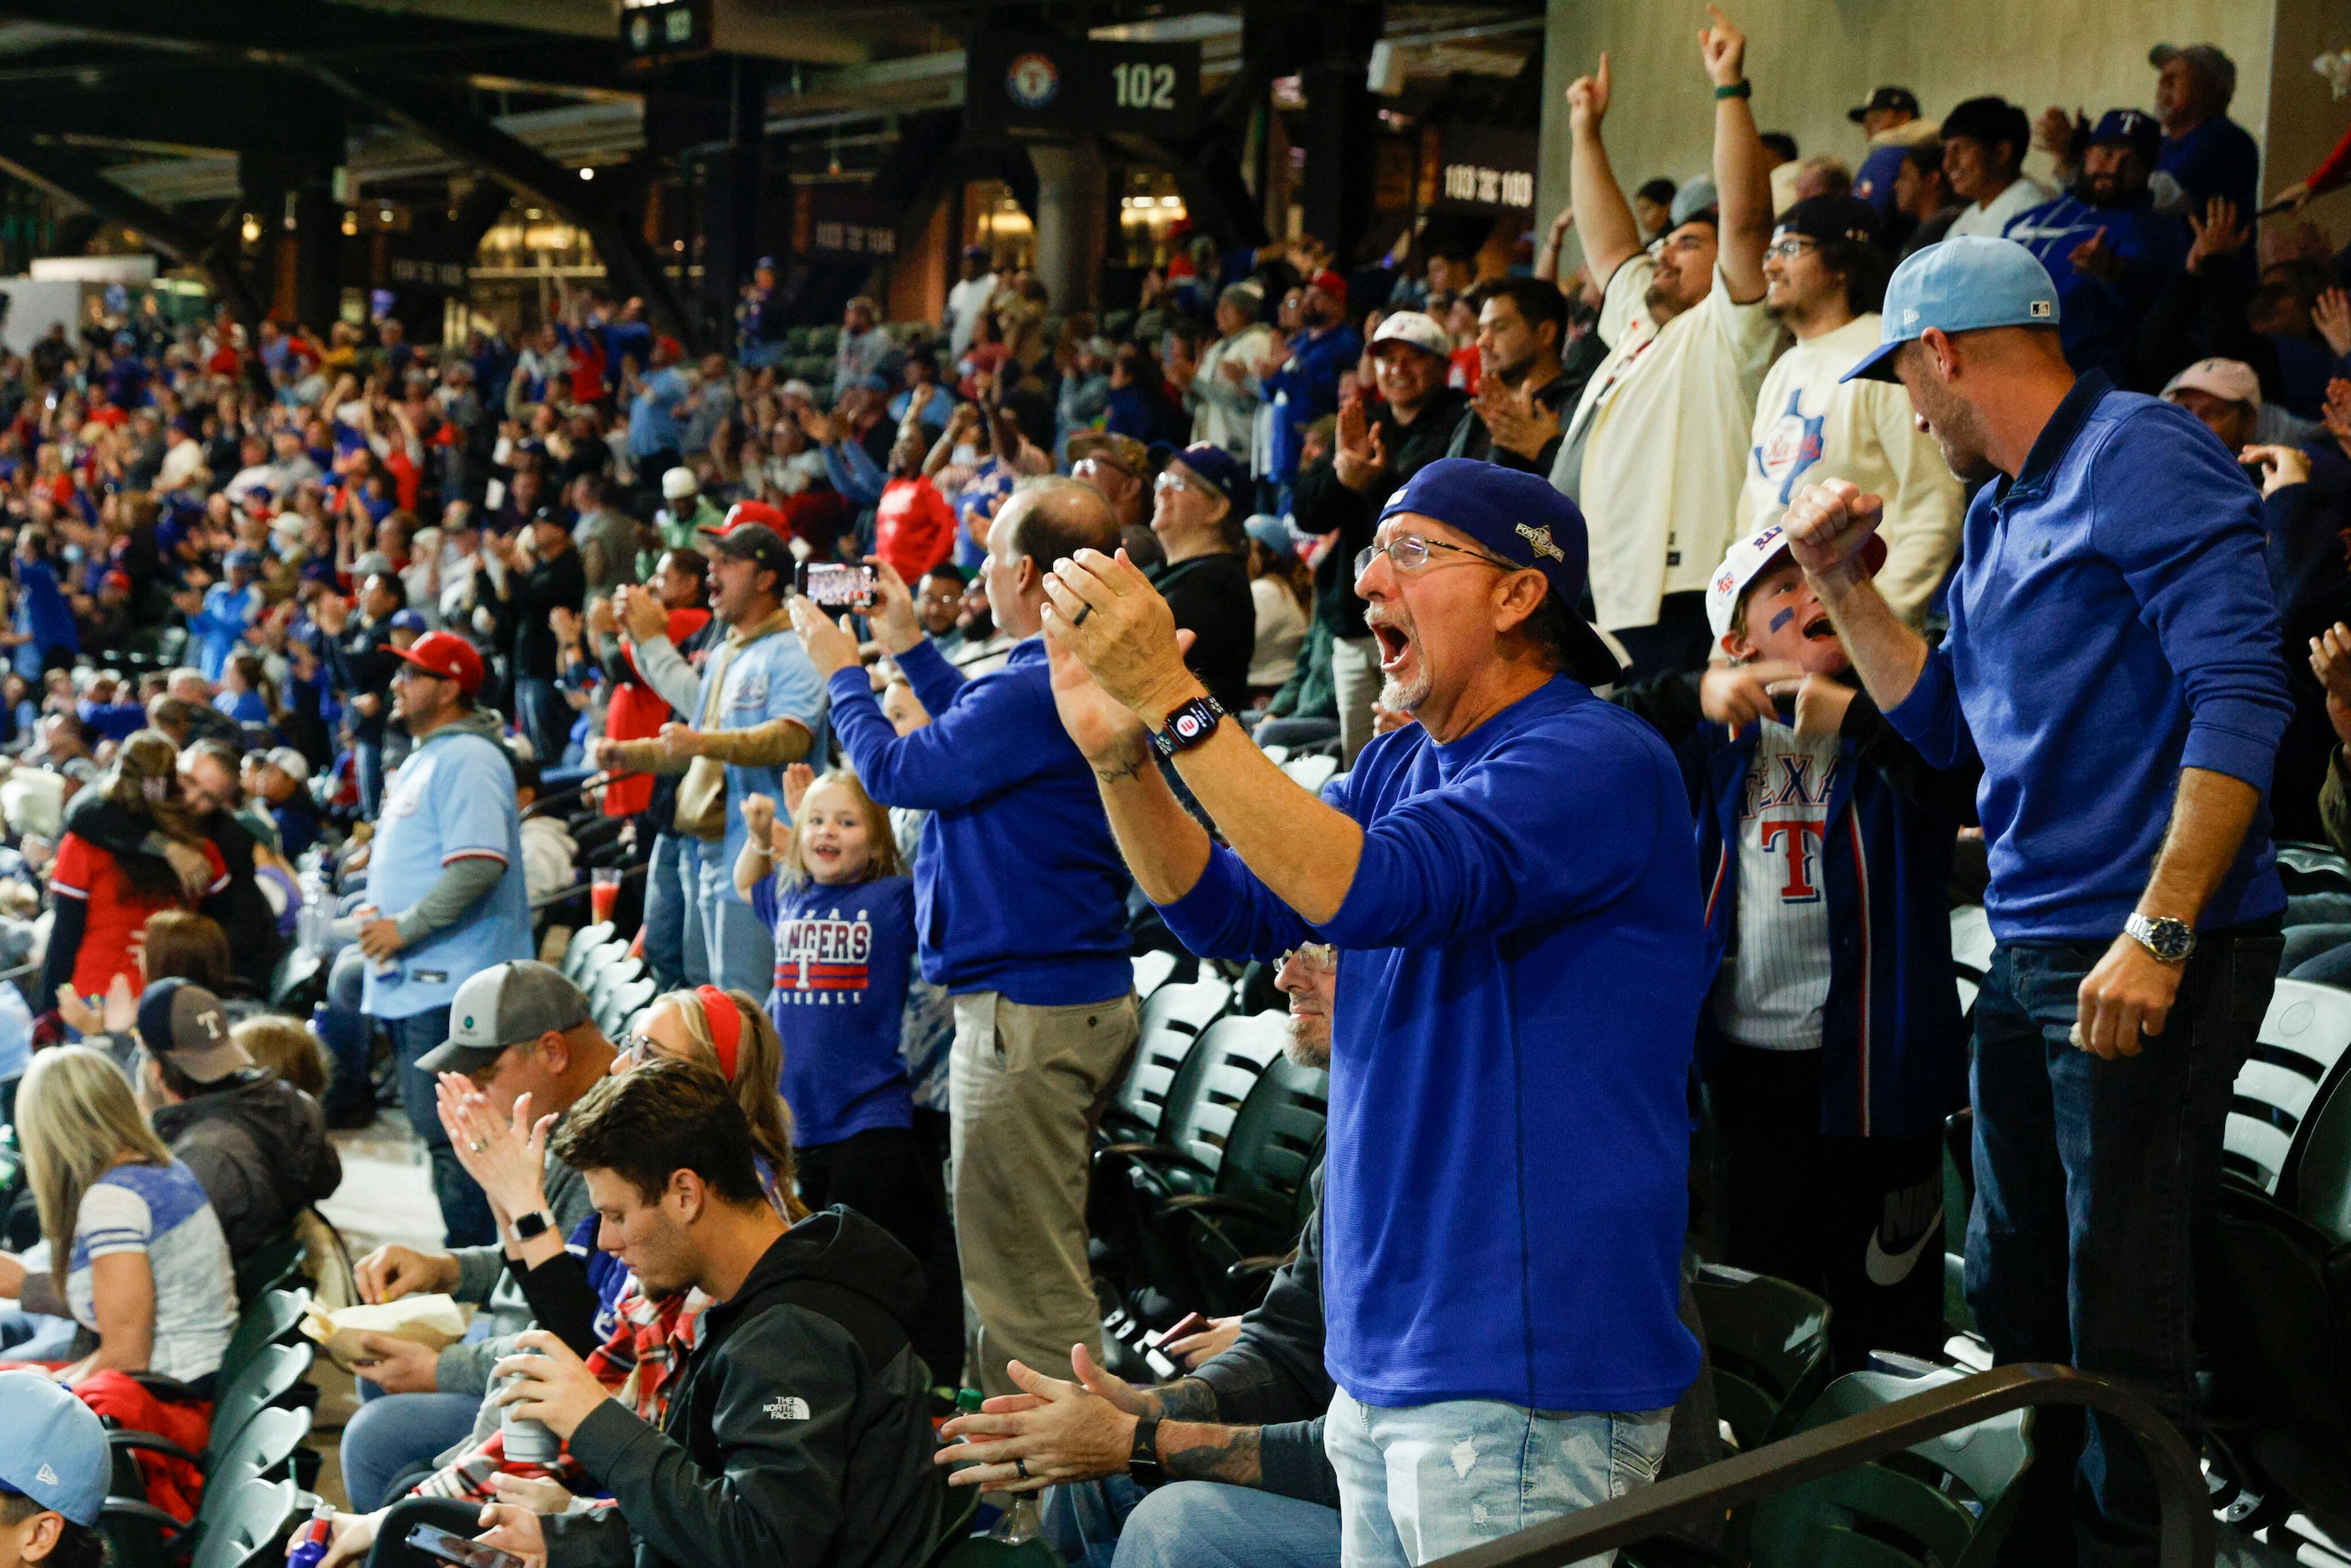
(820, 960)
(1786, 800)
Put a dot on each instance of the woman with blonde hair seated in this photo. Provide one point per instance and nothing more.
(131, 1248)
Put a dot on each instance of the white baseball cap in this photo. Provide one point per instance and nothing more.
(1414, 327)
(679, 483)
(2231, 380)
(1749, 559)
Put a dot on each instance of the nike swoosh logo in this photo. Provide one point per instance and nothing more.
(1892, 1268)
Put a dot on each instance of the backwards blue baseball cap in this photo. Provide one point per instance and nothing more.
(52, 1448)
(411, 621)
(1962, 285)
(1520, 519)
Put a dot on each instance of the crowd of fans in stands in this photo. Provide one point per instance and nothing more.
(2038, 579)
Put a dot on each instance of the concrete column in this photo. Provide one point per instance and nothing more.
(1072, 220)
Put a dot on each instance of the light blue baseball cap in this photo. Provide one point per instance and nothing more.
(52, 1448)
(1961, 285)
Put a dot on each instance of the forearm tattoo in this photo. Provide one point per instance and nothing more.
(1199, 1453)
(1132, 762)
(1189, 1399)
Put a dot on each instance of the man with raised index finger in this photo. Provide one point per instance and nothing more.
(2114, 654)
(1513, 887)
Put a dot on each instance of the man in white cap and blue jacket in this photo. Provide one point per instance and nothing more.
(2114, 655)
(1513, 890)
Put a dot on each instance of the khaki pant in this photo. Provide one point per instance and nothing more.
(1025, 1086)
(1355, 682)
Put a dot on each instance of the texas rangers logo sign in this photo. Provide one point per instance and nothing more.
(1032, 82)
(1789, 446)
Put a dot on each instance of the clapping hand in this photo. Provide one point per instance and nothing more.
(2330, 314)
(1359, 455)
(2330, 661)
(508, 1158)
(797, 779)
(2220, 234)
(1514, 421)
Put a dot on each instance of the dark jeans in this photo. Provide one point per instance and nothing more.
(1859, 1220)
(2094, 1180)
(1680, 640)
(891, 1175)
(543, 717)
(465, 1212)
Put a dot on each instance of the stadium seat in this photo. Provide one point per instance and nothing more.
(1945, 1503)
(2313, 868)
(275, 1264)
(1312, 773)
(274, 1318)
(586, 943)
(1769, 1341)
(1263, 1195)
(623, 1002)
(253, 1530)
(1173, 1018)
(1972, 946)
(2299, 1054)
(1152, 970)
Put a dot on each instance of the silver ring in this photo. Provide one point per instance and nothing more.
(1079, 618)
(1022, 1467)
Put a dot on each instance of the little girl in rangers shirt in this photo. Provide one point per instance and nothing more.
(828, 882)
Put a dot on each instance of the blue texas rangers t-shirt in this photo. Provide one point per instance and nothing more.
(843, 958)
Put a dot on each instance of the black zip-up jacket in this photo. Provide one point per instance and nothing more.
(799, 1435)
(258, 1147)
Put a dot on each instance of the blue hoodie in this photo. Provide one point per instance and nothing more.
(1019, 886)
(1520, 971)
(2112, 623)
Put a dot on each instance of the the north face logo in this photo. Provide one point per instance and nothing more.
(789, 1408)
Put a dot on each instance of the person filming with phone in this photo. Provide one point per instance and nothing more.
(759, 707)
(1020, 902)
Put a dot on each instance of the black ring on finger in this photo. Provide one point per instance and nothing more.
(1079, 618)
(1022, 1467)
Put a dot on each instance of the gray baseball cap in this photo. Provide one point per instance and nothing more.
(506, 1004)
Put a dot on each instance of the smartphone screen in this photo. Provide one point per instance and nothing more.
(836, 586)
(456, 1549)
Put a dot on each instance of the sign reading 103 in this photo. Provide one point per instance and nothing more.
(1139, 84)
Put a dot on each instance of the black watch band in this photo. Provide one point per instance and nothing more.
(1143, 1466)
(526, 1225)
(1188, 725)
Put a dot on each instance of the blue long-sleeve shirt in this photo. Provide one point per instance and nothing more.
(1521, 957)
(854, 473)
(1306, 388)
(2097, 320)
(1019, 886)
(2112, 623)
(219, 627)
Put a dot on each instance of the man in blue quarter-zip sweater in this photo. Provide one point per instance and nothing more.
(1512, 886)
(1020, 909)
(2114, 654)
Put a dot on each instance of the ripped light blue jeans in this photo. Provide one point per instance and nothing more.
(1424, 1481)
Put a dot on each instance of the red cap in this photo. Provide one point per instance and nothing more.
(669, 345)
(752, 512)
(121, 580)
(446, 655)
(1330, 283)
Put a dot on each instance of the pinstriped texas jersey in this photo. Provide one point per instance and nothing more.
(1774, 981)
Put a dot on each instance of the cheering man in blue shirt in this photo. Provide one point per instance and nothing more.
(2113, 658)
(1512, 886)
(1021, 903)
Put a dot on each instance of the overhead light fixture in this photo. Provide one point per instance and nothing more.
(385, 215)
(252, 229)
(587, 174)
(350, 223)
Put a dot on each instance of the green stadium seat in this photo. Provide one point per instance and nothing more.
(1769, 1340)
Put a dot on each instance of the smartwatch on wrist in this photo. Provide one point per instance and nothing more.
(536, 1222)
(1188, 725)
(1143, 1466)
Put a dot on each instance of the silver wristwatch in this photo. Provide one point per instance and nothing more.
(2171, 941)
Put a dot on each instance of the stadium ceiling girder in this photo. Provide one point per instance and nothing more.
(60, 171)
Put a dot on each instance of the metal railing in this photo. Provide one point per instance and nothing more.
(2186, 1540)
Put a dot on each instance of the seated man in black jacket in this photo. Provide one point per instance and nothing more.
(1238, 1443)
(798, 1427)
(257, 1144)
